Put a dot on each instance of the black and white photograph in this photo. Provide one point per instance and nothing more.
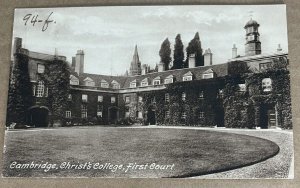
(181, 91)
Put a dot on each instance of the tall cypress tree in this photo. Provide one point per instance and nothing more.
(165, 53)
(178, 55)
(20, 91)
(194, 47)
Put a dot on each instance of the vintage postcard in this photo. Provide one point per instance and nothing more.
(150, 92)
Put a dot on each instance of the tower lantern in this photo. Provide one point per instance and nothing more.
(253, 45)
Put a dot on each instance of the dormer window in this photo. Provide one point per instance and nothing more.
(74, 80)
(115, 84)
(187, 76)
(267, 84)
(156, 81)
(169, 79)
(104, 84)
(40, 68)
(144, 82)
(88, 82)
(208, 74)
(133, 84)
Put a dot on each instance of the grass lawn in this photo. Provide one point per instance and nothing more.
(193, 152)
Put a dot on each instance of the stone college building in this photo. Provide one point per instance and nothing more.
(246, 91)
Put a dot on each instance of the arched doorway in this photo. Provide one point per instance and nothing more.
(38, 116)
(113, 115)
(151, 118)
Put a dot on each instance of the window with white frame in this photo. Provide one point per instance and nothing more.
(187, 76)
(99, 110)
(68, 114)
(156, 81)
(99, 113)
(140, 99)
(84, 97)
(113, 99)
(207, 76)
(267, 84)
(169, 79)
(74, 80)
(201, 114)
(89, 82)
(133, 84)
(144, 82)
(100, 98)
(104, 84)
(183, 115)
(69, 97)
(83, 111)
(167, 97)
(40, 89)
(183, 96)
(140, 115)
(220, 93)
(115, 85)
(40, 68)
(127, 99)
(167, 114)
(242, 87)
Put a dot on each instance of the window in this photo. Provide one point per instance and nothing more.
(167, 114)
(183, 115)
(208, 76)
(144, 82)
(99, 113)
(83, 111)
(127, 112)
(140, 99)
(153, 100)
(33, 90)
(68, 114)
(46, 92)
(100, 98)
(40, 68)
(113, 99)
(265, 66)
(133, 84)
(74, 80)
(115, 85)
(84, 98)
(89, 82)
(99, 110)
(69, 97)
(104, 84)
(187, 76)
(167, 97)
(242, 87)
(201, 95)
(169, 79)
(127, 99)
(201, 115)
(267, 84)
(220, 94)
(140, 115)
(40, 89)
(183, 96)
(156, 81)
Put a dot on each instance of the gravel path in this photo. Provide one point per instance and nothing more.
(275, 167)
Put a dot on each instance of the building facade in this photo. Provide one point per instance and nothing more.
(246, 91)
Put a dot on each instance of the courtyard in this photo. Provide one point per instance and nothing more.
(153, 151)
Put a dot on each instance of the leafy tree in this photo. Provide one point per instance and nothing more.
(194, 47)
(20, 91)
(165, 53)
(178, 62)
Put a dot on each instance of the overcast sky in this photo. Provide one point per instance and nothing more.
(108, 34)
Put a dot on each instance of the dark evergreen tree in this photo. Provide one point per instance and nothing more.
(20, 91)
(178, 61)
(194, 47)
(165, 53)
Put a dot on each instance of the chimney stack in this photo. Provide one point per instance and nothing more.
(161, 67)
(192, 61)
(234, 51)
(207, 57)
(279, 49)
(17, 44)
(79, 62)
